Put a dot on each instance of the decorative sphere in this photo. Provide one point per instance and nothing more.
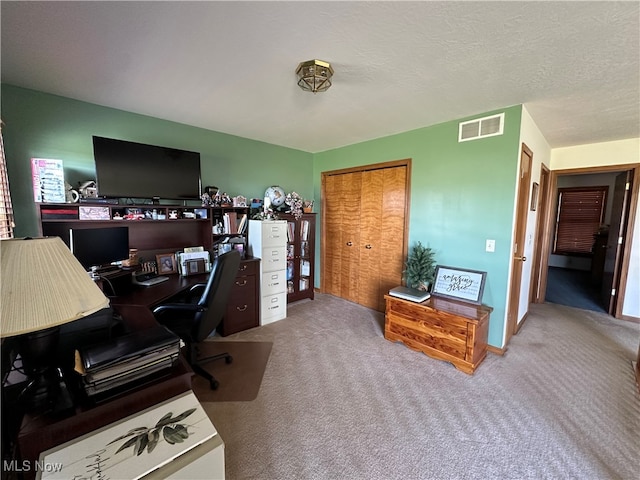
(276, 195)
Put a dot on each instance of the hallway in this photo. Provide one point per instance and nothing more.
(573, 288)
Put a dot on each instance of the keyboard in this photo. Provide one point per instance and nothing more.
(149, 279)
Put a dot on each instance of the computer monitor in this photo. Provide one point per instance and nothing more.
(99, 247)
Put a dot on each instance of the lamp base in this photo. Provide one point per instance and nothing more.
(47, 394)
(47, 390)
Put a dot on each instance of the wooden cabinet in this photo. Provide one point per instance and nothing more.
(268, 241)
(300, 256)
(444, 329)
(364, 231)
(242, 309)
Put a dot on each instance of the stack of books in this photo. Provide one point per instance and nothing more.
(113, 366)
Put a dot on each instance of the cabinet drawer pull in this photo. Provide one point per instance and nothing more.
(241, 283)
(241, 309)
(243, 268)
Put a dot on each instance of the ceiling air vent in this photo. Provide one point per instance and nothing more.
(481, 128)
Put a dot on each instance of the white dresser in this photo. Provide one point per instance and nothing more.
(268, 241)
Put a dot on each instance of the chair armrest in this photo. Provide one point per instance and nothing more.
(197, 287)
(182, 307)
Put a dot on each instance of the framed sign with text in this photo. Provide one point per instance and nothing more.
(459, 284)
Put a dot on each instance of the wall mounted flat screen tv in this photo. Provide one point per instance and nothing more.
(134, 170)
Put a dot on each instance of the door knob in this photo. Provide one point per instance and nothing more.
(369, 247)
(523, 258)
(349, 244)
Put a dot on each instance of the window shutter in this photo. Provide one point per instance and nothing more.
(580, 214)
(6, 210)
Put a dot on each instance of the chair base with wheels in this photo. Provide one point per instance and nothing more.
(197, 362)
(193, 322)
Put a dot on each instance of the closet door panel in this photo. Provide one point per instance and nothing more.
(372, 219)
(392, 240)
(332, 235)
(342, 217)
(350, 235)
(364, 238)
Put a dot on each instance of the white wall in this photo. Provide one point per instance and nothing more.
(602, 154)
(531, 136)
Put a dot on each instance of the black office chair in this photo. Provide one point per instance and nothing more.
(194, 321)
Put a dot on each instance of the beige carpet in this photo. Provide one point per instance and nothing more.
(339, 402)
(239, 380)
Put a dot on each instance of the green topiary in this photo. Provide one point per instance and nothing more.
(420, 267)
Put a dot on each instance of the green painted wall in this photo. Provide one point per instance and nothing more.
(461, 195)
(48, 126)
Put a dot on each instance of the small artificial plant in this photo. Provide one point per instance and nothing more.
(420, 267)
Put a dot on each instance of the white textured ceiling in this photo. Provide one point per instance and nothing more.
(229, 66)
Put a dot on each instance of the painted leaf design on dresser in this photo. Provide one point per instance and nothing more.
(147, 438)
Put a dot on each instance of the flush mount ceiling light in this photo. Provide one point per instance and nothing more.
(314, 75)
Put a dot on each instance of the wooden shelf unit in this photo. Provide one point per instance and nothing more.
(449, 330)
(300, 256)
(155, 233)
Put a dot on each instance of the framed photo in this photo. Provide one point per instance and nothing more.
(459, 284)
(534, 196)
(166, 263)
(239, 201)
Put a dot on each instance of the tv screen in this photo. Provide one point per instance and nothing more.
(97, 247)
(135, 170)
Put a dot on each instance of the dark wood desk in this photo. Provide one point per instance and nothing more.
(243, 309)
(154, 295)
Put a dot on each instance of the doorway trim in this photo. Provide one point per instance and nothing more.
(537, 289)
(549, 222)
(519, 240)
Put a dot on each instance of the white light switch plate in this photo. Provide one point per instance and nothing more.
(491, 246)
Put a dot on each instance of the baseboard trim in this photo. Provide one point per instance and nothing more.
(521, 323)
(629, 318)
(496, 350)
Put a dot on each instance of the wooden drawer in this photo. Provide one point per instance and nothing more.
(242, 312)
(248, 267)
(436, 330)
(242, 309)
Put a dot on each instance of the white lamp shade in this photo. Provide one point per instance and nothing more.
(43, 285)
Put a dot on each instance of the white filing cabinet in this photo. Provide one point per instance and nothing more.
(268, 241)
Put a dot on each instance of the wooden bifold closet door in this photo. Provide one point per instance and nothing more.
(364, 244)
